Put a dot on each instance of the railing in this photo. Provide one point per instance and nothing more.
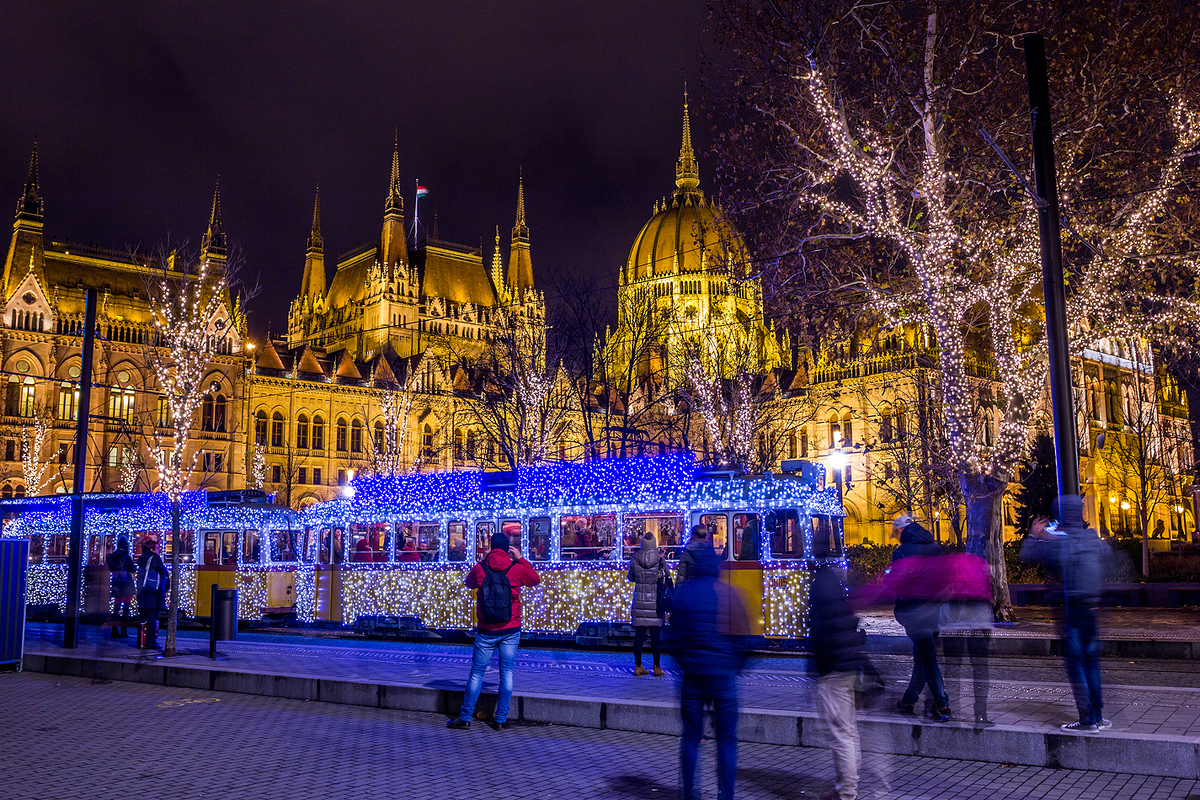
(840, 369)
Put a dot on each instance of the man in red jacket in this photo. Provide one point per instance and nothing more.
(502, 563)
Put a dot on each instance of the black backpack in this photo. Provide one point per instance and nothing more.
(495, 595)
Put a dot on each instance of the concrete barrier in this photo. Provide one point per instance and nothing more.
(1138, 754)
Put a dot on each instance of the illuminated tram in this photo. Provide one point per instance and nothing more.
(395, 553)
(238, 539)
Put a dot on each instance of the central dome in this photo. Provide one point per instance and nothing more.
(687, 234)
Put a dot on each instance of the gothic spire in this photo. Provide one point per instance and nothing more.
(520, 268)
(497, 263)
(29, 207)
(395, 201)
(314, 236)
(687, 171)
(214, 238)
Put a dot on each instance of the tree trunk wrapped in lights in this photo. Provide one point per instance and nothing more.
(35, 470)
(852, 140)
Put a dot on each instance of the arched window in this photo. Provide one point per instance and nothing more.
(458, 444)
(7, 492)
(277, 430)
(318, 432)
(804, 443)
(120, 404)
(219, 413)
(68, 401)
(792, 444)
(341, 434)
(471, 444)
(427, 441)
(28, 401)
(885, 425)
(835, 429)
(302, 432)
(356, 429)
(20, 490)
(378, 437)
(847, 429)
(260, 427)
(206, 413)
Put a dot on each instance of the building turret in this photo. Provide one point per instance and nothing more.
(520, 267)
(212, 246)
(393, 250)
(25, 252)
(313, 285)
(497, 265)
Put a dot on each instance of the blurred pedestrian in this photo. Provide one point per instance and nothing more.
(499, 577)
(839, 661)
(706, 636)
(687, 559)
(966, 623)
(1077, 560)
(916, 576)
(152, 583)
(647, 570)
(121, 569)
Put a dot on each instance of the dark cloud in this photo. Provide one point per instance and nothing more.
(139, 106)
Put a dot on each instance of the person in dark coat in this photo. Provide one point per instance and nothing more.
(152, 583)
(646, 569)
(839, 660)
(123, 589)
(706, 637)
(687, 558)
(1077, 559)
(916, 574)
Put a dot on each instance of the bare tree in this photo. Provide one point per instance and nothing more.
(195, 320)
(856, 124)
(35, 469)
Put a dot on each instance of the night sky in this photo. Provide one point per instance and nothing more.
(139, 106)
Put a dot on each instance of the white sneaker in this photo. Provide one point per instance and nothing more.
(1103, 724)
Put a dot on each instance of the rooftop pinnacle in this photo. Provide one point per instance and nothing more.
(687, 171)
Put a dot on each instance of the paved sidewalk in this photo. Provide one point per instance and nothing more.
(780, 684)
(69, 738)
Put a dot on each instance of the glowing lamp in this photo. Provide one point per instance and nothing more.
(837, 459)
(1124, 505)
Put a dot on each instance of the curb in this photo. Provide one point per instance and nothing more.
(1034, 646)
(1138, 754)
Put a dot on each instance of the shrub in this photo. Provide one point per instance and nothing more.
(866, 561)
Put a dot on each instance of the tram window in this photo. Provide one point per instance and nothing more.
(483, 539)
(186, 549)
(360, 544)
(37, 549)
(98, 549)
(539, 539)
(667, 532)
(212, 543)
(56, 551)
(250, 552)
(229, 547)
(428, 535)
(308, 551)
(787, 539)
(339, 545)
(456, 541)
(822, 527)
(747, 536)
(283, 546)
(587, 538)
(718, 530)
(406, 543)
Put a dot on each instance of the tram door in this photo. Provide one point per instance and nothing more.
(735, 537)
(217, 567)
(331, 554)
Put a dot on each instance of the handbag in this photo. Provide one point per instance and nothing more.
(965, 616)
(148, 578)
(665, 600)
(868, 687)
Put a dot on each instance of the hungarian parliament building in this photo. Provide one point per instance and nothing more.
(386, 356)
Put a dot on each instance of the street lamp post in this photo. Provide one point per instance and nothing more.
(837, 463)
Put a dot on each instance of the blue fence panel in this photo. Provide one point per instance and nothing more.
(14, 559)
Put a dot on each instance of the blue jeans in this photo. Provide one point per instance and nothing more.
(696, 692)
(1081, 651)
(925, 669)
(485, 643)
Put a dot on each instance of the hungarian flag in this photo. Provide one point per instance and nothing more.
(421, 190)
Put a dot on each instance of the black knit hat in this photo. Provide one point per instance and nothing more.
(500, 541)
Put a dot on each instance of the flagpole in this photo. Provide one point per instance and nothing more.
(416, 207)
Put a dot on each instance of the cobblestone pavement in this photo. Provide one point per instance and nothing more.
(1029, 693)
(73, 738)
